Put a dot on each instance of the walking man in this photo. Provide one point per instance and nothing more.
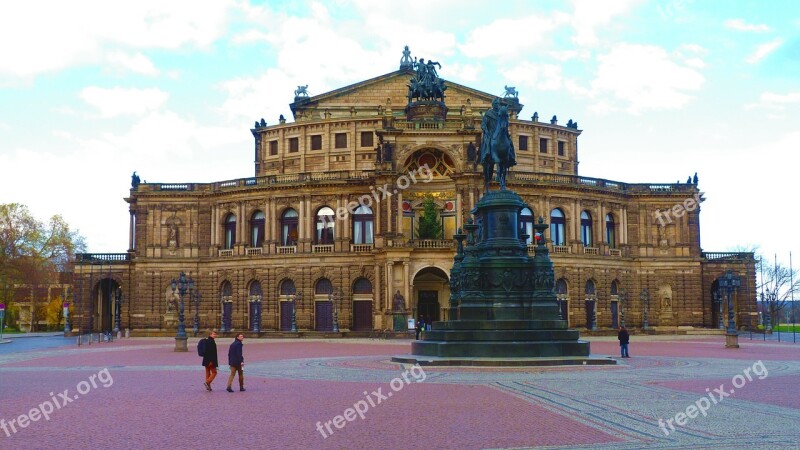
(210, 360)
(236, 361)
(623, 337)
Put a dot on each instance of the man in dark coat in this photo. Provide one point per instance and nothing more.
(210, 361)
(623, 337)
(236, 361)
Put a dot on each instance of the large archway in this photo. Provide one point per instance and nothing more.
(431, 294)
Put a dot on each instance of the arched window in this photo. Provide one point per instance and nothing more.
(362, 286)
(255, 289)
(586, 228)
(227, 289)
(325, 226)
(561, 287)
(557, 227)
(257, 229)
(363, 225)
(289, 227)
(611, 235)
(230, 231)
(589, 287)
(526, 224)
(287, 287)
(614, 287)
(323, 287)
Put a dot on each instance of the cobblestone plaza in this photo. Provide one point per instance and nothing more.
(138, 393)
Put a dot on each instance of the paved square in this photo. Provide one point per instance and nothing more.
(138, 393)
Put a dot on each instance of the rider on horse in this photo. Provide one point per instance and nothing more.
(496, 145)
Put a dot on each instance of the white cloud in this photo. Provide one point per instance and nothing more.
(763, 50)
(496, 39)
(790, 97)
(642, 77)
(464, 73)
(65, 35)
(120, 101)
(741, 25)
(544, 77)
(589, 15)
(136, 62)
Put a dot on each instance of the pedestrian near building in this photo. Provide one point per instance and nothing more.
(236, 361)
(624, 338)
(210, 360)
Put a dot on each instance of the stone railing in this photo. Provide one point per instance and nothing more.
(561, 249)
(727, 255)
(591, 251)
(252, 251)
(101, 258)
(285, 249)
(614, 252)
(325, 248)
(431, 243)
(357, 248)
(225, 253)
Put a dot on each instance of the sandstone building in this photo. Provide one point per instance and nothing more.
(328, 220)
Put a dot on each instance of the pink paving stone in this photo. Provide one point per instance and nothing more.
(772, 390)
(707, 347)
(159, 410)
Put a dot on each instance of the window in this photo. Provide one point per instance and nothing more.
(611, 238)
(526, 224)
(362, 286)
(287, 287)
(362, 225)
(316, 142)
(586, 229)
(257, 229)
(273, 148)
(325, 226)
(366, 138)
(289, 227)
(230, 231)
(542, 145)
(560, 148)
(340, 140)
(523, 142)
(589, 288)
(557, 227)
(294, 145)
(255, 289)
(615, 287)
(323, 286)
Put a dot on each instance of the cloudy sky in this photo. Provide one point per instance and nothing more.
(93, 90)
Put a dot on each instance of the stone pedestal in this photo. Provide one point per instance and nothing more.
(502, 306)
(181, 344)
(732, 340)
(399, 321)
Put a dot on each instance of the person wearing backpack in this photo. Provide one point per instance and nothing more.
(207, 348)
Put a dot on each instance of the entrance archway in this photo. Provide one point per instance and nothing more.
(431, 293)
(103, 302)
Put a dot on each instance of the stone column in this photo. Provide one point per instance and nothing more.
(407, 283)
(131, 229)
(389, 284)
(399, 212)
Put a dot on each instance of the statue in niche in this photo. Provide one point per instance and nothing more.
(398, 301)
(663, 242)
(666, 297)
(172, 240)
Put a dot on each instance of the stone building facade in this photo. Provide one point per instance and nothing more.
(327, 226)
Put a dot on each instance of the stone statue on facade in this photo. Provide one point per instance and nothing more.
(405, 61)
(301, 91)
(511, 92)
(426, 84)
(398, 302)
(497, 149)
(135, 180)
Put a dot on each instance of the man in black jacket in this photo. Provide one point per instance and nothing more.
(210, 361)
(236, 361)
(623, 337)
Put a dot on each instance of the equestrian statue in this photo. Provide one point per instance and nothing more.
(496, 145)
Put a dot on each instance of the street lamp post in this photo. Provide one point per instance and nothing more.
(2, 320)
(645, 297)
(336, 298)
(182, 284)
(718, 300)
(767, 315)
(295, 297)
(622, 298)
(730, 283)
(67, 321)
(117, 311)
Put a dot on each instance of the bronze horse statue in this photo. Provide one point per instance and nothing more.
(502, 151)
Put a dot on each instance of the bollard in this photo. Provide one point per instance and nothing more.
(79, 340)
(127, 333)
